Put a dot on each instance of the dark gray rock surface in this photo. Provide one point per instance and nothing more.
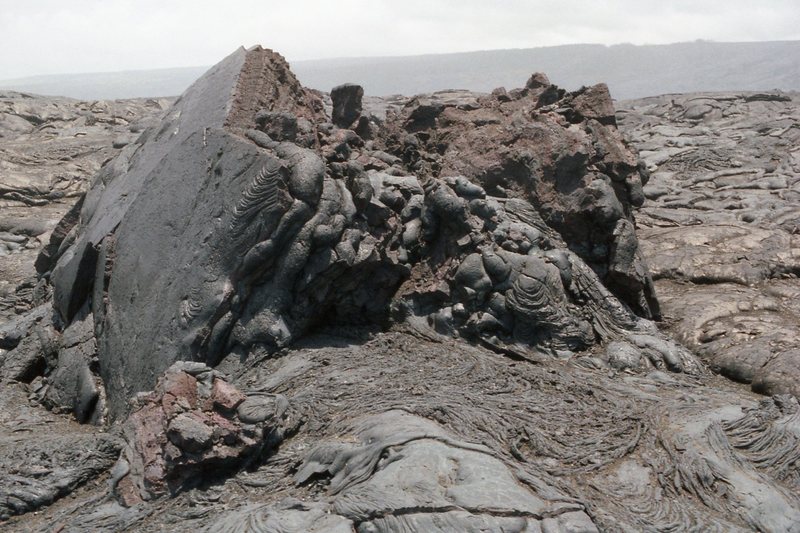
(246, 218)
(49, 148)
(346, 101)
(439, 320)
(403, 433)
(720, 229)
(44, 456)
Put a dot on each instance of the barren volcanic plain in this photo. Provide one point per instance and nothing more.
(259, 307)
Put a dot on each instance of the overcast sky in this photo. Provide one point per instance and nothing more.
(70, 36)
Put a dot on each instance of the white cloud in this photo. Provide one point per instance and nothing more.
(52, 36)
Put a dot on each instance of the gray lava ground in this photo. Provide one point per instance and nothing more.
(721, 228)
(49, 148)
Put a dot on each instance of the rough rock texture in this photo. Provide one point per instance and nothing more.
(347, 100)
(193, 423)
(397, 430)
(447, 292)
(44, 456)
(246, 218)
(49, 148)
(720, 228)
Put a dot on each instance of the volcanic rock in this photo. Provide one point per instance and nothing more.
(188, 426)
(49, 148)
(346, 104)
(721, 230)
(43, 456)
(434, 317)
(537, 81)
(277, 227)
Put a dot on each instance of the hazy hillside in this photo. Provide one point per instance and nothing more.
(631, 71)
(110, 85)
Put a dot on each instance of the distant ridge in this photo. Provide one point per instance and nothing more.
(631, 71)
(110, 85)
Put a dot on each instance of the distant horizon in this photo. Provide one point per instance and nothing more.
(52, 37)
(379, 57)
(630, 71)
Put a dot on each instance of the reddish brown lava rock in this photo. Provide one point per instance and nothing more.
(595, 103)
(225, 396)
(187, 424)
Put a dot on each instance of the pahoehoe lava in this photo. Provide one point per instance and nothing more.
(284, 310)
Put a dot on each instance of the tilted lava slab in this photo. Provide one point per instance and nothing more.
(247, 218)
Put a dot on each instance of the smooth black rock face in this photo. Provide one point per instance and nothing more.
(400, 314)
